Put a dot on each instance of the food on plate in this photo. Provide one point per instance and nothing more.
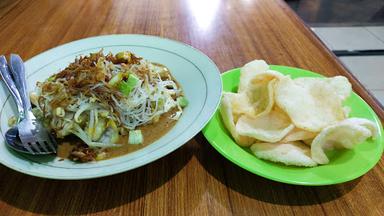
(101, 106)
(311, 105)
(344, 134)
(292, 121)
(227, 110)
(271, 127)
(290, 153)
(298, 134)
(260, 89)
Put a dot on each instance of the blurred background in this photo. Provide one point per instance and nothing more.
(354, 31)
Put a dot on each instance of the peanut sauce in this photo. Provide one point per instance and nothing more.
(151, 133)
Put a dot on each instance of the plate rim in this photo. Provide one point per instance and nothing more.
(229, 157)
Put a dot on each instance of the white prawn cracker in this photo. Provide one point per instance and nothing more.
(229, 122)
(341, 86)
(344, 134)
(271, 127)
(260, 92)
(311, 105)
(292, 153)
(249, 71)
(298, 134)
(258, 83)
(292, 121)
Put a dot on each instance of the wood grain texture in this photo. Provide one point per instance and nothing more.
(195, 179)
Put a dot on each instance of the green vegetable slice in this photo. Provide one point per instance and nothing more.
(135, 137)
(126, 87)
(182, 101)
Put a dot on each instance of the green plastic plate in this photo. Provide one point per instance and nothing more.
(345, 165)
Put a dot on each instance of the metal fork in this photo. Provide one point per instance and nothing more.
(33, 135)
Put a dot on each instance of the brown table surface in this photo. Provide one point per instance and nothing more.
(195, 179)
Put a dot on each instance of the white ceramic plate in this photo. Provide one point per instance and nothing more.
(196, 73)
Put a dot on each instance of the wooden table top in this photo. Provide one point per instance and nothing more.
(195, 179)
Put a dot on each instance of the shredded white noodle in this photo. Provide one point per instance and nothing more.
(91, 103)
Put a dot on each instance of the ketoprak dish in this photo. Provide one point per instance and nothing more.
(102, 106)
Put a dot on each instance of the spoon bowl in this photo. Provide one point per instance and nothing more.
(13, 140)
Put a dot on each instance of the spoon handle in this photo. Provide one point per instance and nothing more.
(18, 72)
(9, 82)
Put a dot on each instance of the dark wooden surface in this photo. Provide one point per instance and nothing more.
(195, 179)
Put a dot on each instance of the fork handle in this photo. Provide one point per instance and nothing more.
(18, 72)
(9, 82)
